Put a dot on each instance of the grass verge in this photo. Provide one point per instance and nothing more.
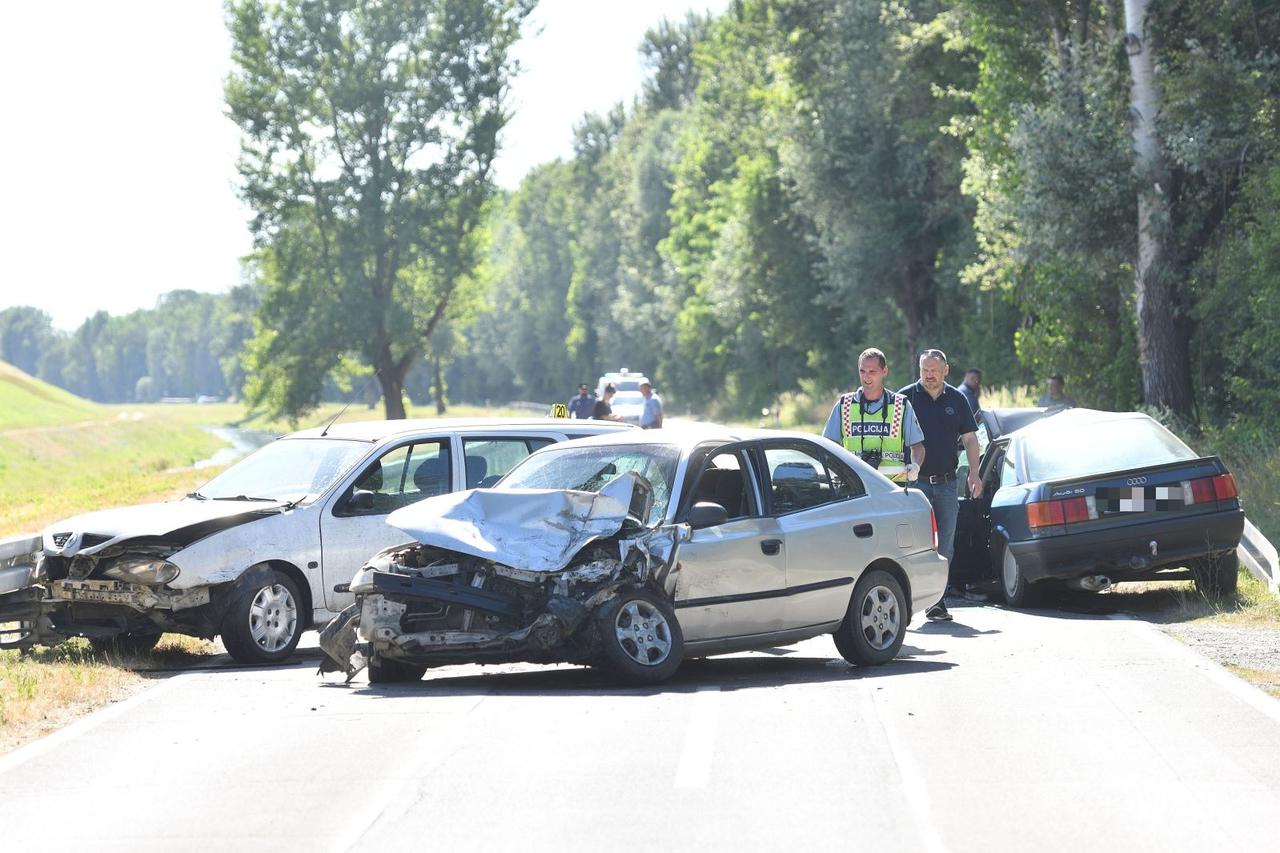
(1266, 679)
(1169, 602)
(44, 690)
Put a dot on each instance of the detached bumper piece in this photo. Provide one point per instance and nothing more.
(446, 593)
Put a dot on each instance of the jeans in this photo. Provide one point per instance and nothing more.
(946, 506)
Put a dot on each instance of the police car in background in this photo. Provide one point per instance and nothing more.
(628, 403)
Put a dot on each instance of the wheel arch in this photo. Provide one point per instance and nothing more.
(899, 574)
(257, 571)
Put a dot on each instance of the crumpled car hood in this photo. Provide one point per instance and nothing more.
(538, 530)
(176, 522)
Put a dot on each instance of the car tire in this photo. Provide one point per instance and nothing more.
(263, 621)
(875, 624)
(1217, 576)
(1017, 590)
(640, 637)
(125, 645)
(388, 671)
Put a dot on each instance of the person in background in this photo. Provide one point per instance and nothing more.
(651, 417)
(582, 405)
(971, 388)
(946, 419)
(602, 411)
(877, 424)
(1056, 397)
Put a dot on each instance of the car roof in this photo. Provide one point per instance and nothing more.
(1056, 420)
(689, 434)
(374, 431)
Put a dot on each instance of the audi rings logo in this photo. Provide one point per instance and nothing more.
(1137, 481)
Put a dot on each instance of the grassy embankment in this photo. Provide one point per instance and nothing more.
(61, 455)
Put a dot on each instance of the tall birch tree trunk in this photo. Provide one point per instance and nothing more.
(1162, 352)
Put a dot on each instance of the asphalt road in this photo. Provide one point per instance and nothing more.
(1000, 731)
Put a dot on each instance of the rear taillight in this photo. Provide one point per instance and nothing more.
(1055, 513)
(933, 521)
(1224, 486)
(1208, 489)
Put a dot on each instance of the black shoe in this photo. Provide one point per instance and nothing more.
(938, 613)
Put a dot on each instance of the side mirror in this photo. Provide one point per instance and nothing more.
(707, 514)
(361, 501)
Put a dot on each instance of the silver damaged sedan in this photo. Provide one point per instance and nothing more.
(634, 552)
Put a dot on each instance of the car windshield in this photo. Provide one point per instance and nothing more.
(628, 398)
(624, 385)
(288, 469)
(587, 469)
(1081, 450)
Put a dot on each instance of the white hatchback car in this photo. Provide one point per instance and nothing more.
(264, 550)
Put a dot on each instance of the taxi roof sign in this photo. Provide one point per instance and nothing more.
(559, 410)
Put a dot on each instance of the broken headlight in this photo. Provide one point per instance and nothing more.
(363, 581)
(149, 570)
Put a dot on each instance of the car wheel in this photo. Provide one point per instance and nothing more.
(640, 637)
(263, 622)
(875, 624)
(387, 671)
(1017, 590)
(125, 645)
(1217, 575)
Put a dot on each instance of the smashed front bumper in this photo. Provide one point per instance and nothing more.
(555, 630)
(35, 610)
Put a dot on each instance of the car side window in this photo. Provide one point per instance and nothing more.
(1008, 475)
(401, 476)
(487, 459)
(801, 477)
(724, 481)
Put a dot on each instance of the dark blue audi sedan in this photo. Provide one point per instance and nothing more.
(1090, 499)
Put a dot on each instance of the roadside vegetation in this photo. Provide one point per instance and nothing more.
(49, 687)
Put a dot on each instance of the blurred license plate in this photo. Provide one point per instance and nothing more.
(106, 595)
(1139, 499)
(88, 591)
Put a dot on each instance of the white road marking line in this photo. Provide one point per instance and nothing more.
(913, 785)
(52, 741)
(694, 768)
(1256, 698)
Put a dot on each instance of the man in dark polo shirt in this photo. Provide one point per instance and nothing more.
(945, 418)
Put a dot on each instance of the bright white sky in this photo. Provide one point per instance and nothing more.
(120, 164)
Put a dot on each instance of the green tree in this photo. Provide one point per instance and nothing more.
(25, 335)
(369, 135)
(870, 163)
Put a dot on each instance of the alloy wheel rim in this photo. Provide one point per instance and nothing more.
(273, 618)
(643, 632)
(880, 618)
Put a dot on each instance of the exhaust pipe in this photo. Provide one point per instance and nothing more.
(1093, 583)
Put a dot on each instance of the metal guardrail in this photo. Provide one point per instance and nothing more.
(1258, 555)
(15, 561)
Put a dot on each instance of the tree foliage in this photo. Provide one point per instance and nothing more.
(369, 134)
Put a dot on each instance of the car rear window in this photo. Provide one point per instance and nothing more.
(1081, 450)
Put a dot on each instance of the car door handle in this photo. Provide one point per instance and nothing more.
(771, 546)
(862, 531)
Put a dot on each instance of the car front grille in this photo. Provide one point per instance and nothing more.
(86, 541)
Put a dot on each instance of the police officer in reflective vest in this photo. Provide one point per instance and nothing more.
(876, 423)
